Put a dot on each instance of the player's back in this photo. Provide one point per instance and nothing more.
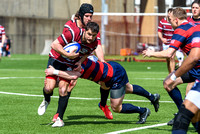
(96, 71)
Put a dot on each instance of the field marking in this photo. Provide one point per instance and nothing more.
(20, 77)
(77, 98)
(135, 129)
(44, 77)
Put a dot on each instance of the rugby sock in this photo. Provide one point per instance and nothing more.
(196, 126)
(179, 132)
(62, 104)
(104, 96)
(175, 94)
(142, 92)
(129, 108)
(47, 97)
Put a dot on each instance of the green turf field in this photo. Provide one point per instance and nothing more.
(21, 83)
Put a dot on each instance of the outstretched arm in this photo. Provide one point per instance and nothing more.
(168, 53)
(69, 75)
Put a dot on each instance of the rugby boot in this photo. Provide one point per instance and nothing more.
(107, 112)
(143, 116)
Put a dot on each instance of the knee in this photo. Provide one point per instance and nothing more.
(48, 89)
(115, 108)
(63, 91)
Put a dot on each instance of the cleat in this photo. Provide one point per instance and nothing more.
(155, 102)
(107, 112)
(58, 123)
(143, 117)
(55, 117)
(171, 122)
(42, 108)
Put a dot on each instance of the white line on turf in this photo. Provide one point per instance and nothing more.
(78, 98)
(135, 129)
(43, 77)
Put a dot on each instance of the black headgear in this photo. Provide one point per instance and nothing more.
(85, 8)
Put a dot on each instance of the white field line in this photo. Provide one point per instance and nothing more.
(44, 77)
(135, 129)
(77, 98)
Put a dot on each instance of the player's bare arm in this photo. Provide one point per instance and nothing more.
(168, 53)
(188, 64)
(69, 75)
(59, 48)
(78, 64)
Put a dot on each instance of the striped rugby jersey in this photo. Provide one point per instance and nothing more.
(2, 32)
(166, 29)
(72, 33)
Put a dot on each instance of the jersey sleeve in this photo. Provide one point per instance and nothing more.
(65, 37)
(99, 38)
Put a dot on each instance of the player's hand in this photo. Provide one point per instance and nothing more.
(72, 55)
(49, 71)
(147, 53)
(78, 66)
(164, 40)
(168, 83)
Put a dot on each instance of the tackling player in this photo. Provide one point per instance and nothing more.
(185, 32)
(111, 76)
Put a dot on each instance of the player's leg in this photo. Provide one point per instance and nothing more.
(62, 102)
(103, 103)
(190, 107)
(116, 98)
(50, 83)
(189, 86)
(136, 89)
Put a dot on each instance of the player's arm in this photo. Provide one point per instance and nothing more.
(59, 48)
(78, 64)
(3, 38)
(99, 53)
(168, 53)
(187, 64)
(69, 75)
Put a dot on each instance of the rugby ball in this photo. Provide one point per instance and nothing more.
(72, 47)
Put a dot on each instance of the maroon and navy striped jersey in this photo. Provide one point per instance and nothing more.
(2, 32)
(193, 20)
(166, 29)
(72, 33)
(186, 36)
(96, 71)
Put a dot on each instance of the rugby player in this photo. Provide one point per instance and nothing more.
(111, 76)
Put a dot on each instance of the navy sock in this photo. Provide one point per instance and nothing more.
(142, 92)
(179, 132)
(62, 104)
(129, 108)
(104, 96)
(47, 97)
(175, 94)
(196, 126)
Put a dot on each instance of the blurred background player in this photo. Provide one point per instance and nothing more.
(2, 38)
(165, 33)
(6, 47)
